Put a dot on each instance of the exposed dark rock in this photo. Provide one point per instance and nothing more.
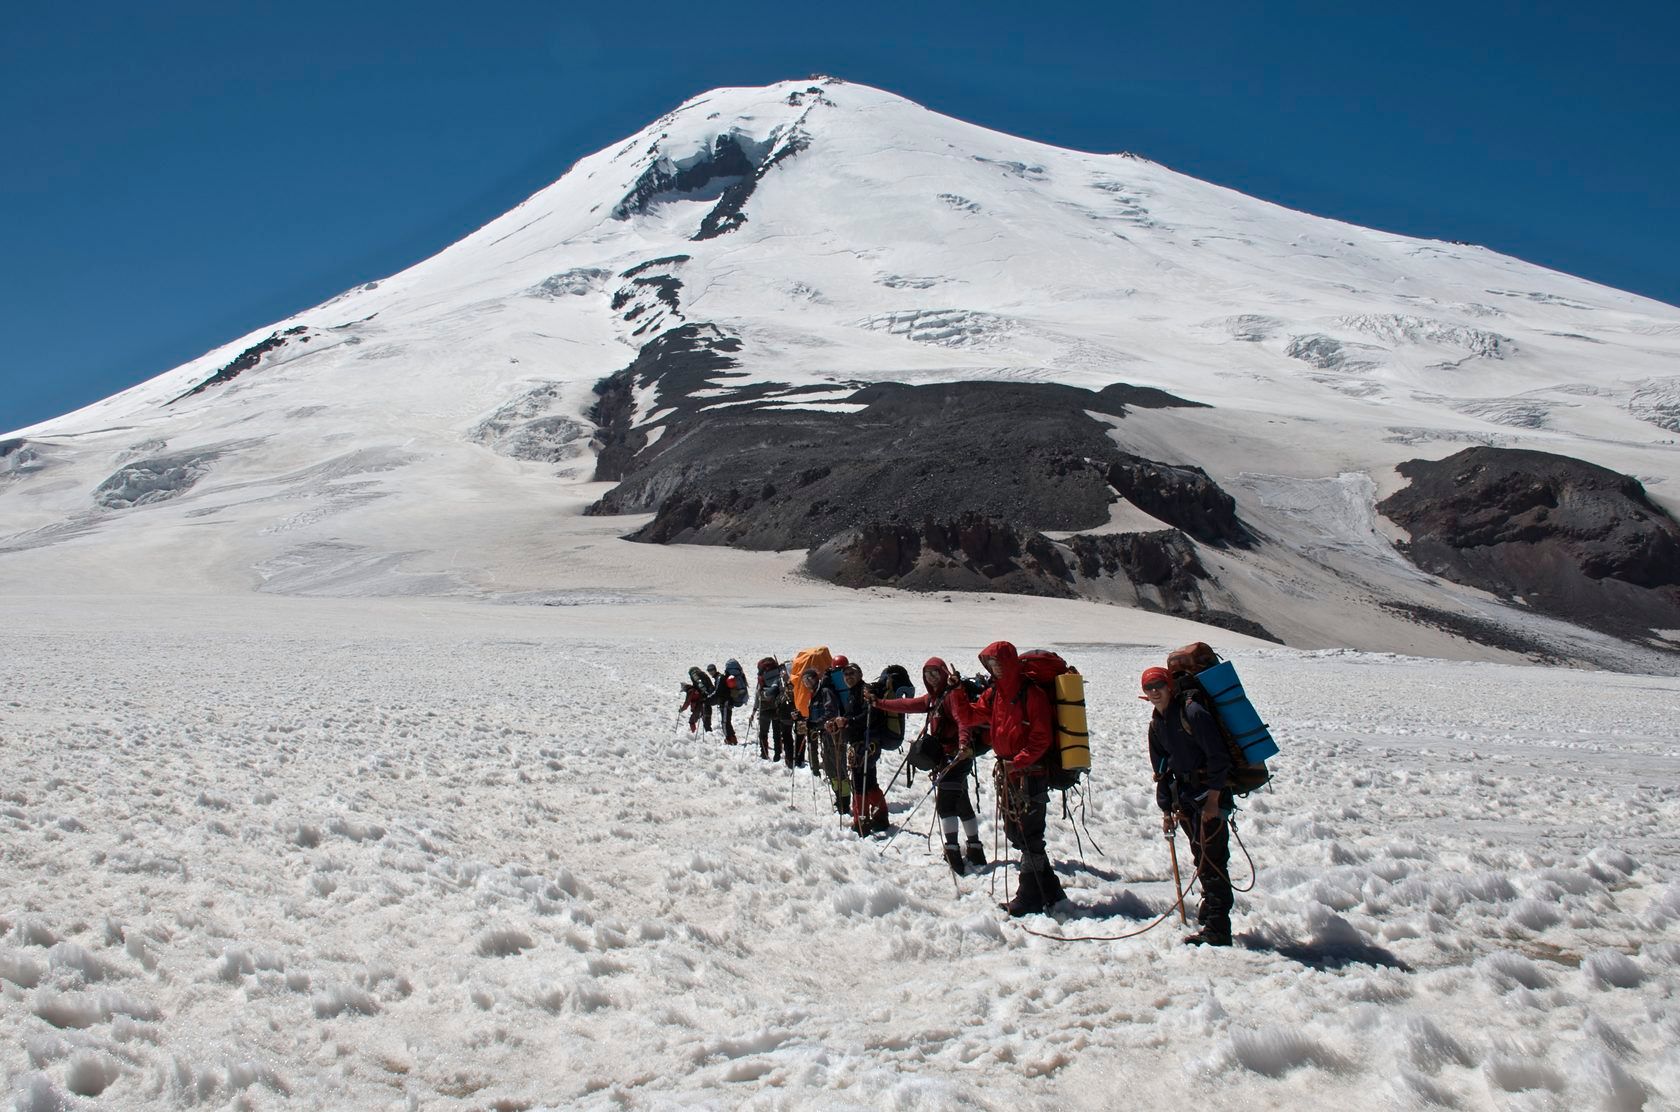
(728, 214)
(7, 447)
(680, 361)
(244, 361)
(1160, 559)
(1027, 454)
(968, 553)
(975, 553)
(663, 287)
(650, 298)
(731, 168)
(727, 160)
(666, 261)
(1184, 497)
(1566, 538)
(1144, 397)
(948, 486)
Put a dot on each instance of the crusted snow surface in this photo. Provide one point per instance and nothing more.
(297, 854)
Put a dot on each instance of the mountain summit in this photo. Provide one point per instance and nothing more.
(865, 340)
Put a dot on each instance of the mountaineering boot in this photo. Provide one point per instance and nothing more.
(843, 804)
(1050, 887)
(954, 858)
(976, 852)
(1028, 899)
(880, 825)
(1209, 936)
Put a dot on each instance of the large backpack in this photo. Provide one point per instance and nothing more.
(887, 730)
(843, 693)
(775, 694)
(738, 693)
(1203, 678)
(1070, 750)
(818, 659)
(697, 676)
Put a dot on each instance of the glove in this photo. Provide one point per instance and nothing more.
(1020, 765)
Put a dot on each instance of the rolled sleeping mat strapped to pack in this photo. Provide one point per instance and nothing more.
(1073, 741)
(1241, 720)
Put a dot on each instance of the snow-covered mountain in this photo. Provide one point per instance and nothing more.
(338, 766)
(696, 310)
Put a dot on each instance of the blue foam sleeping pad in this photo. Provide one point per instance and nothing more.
(1240, 718)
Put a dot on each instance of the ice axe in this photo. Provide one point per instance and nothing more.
(1178, 888)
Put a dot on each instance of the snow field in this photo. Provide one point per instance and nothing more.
(431, 867)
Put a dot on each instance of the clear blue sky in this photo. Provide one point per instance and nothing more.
(175, 174)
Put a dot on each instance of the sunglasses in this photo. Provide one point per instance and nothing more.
(1157, 686)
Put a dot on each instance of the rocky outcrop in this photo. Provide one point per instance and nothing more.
(943, 487)
(1184, 497)
(727, 160)
(976, 553)
(1561, 536)
(247, 360)
(1026, 454)
(679, 361)
(732, 167)
(968, 553)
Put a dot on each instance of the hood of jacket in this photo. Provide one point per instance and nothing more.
(1008, 678)
(935, 662)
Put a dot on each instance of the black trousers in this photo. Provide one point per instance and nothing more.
(783, 730)
(1024, 824)
(951, 799)
(1210, 849)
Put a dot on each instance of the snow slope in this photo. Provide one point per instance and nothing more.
(414, 853)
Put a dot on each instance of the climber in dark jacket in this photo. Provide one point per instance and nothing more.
(860, 753)
(721, 687)
(825, 730)
(775, 711)
(946, 705)
(1191, 765)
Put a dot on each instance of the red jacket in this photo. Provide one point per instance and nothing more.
(946, 705)
(1020, 714)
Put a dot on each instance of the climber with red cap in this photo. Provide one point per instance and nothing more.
(1191, 764)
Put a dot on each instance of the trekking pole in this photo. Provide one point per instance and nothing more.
(899, 769)
(1178, 887)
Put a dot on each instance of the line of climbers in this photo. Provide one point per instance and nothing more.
(1206, 745)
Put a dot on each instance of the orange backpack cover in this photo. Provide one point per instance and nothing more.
(818, 659)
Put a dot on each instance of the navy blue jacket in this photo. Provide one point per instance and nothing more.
(1188, 762)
